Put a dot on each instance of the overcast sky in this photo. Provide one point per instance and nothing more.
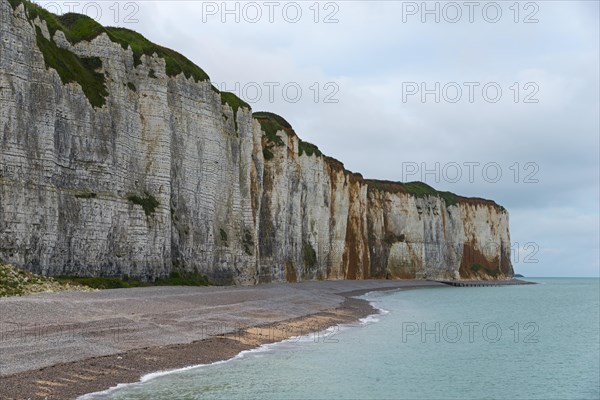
(517, 94)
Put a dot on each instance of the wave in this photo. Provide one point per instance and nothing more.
(264, 348)
(372, 297)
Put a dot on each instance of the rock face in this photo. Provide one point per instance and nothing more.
(163, 173)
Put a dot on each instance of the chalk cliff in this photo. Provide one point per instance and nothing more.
(118, 156)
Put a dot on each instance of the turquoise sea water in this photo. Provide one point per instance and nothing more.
(512, 342)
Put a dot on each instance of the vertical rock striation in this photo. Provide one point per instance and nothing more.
(116, 160)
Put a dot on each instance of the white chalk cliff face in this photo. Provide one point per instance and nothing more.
(163, 175)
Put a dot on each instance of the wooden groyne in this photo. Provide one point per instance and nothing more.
(486, 283)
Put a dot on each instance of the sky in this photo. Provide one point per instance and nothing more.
(497, 100)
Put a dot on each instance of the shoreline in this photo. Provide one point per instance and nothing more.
(313, 327)
(282, 311)
(124, 334)
(99, 374)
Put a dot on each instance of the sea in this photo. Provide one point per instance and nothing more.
(508, 342)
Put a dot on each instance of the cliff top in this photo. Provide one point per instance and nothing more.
(78, 28)
(72, 68)
(421, 189)
(272, 124)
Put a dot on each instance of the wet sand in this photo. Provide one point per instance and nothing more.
(64, 345)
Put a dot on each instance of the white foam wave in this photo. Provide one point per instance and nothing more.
(268, 347)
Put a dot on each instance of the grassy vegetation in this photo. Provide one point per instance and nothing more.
(449, 198)
(183, 279)
(95, 282)
(235, 103)
(148, 203)
(417, 189)
(308, 148)
(279, 120)
(69, 66)
(17, 282)
(420, 189)
(176, 63)
(476, 267)
(72, 68)
(223, 235)
(248, 242)
(77, 28)
(271, 124)
(86, 195)
(268, 154)
(174, 279)
(309, 255)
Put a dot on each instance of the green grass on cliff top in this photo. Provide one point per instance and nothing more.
(308, 148)
(272, 123)
(416, 189)
(234, 101)
(176, 63)
(77, 28)
(72, 68)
